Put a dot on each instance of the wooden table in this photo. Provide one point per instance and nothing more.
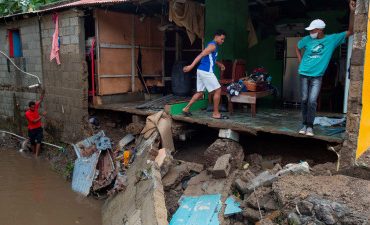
(247, 98)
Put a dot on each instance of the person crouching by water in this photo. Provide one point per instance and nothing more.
(35, 131)
(206, 79)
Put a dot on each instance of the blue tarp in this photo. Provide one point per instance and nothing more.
(200, 210)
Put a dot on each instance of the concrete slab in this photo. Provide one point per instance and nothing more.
(174, 176)
(275, 121)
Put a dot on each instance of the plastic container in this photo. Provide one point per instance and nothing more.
(181, 82)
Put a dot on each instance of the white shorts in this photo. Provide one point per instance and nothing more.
(206, 80)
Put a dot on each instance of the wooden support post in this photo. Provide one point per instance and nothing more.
(133, 60)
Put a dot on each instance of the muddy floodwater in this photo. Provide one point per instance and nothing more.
(31, 193)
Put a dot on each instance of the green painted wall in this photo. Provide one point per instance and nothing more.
(263, 54)
(232, 17)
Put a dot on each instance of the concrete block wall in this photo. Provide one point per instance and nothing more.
(13, 81)
(348, 151)
(66, 84)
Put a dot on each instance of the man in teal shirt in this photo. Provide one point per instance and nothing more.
(318, 49)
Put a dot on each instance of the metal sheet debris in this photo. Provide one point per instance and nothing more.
(200, 210)
(84, 171)
(232, 207)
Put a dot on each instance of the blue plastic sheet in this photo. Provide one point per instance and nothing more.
(200, 210)
(232, 207)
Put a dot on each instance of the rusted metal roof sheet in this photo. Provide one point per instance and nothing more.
(84, 3)
(69, 4)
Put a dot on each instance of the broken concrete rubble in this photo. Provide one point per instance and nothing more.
(204, 184)
(262, 198)
(254, 160)
(247, 176)
(195, 167)
(174, 176)
(143, 200)
(164, 161)
(252, 215)
(119, 185)
(263, 179)
(265, 222)
(221, 169)
(305, 208)
(326, 169)
(266, 178)
(321, 211)
(225, 146)
(325, 199)
(301, 168)
(270, 163)
(135, 128)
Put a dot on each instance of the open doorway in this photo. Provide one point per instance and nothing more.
(279, 25)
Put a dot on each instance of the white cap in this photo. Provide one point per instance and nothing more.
(316, 24)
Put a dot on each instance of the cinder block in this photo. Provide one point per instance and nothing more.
(229, 134)
(359, 40)
(74, 39)
(222, 166)
(73, 21)
(66, 40)
(241, 185)
(65, 22)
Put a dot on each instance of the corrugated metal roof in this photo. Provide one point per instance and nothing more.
(54, 6)
(84, 3)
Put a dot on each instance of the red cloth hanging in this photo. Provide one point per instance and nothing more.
(54, 54)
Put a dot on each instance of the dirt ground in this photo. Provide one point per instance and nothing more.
(353, 192)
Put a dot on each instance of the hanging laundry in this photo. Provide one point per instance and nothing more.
(189, 15)
(54, 54)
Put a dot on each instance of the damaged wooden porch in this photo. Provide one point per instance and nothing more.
(275, 121)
